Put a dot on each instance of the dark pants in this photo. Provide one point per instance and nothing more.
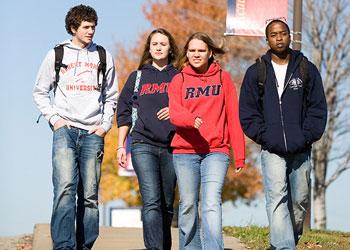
(155, 172)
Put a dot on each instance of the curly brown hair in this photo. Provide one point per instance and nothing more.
(78, 14)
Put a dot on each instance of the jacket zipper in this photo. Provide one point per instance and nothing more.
(283, 129)
(280, 104)
(285, 86)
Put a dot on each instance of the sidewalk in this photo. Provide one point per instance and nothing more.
(113, 238)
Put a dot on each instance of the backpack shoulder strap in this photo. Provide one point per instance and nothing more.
(304, 70)
(261, 73)
(58, 64)
(59, 50)
(134, 101)
(102, 66)
(305, 78)
(137, 81)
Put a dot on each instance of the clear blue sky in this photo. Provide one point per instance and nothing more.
(30, 29)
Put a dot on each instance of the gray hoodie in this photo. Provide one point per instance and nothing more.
(76, 99)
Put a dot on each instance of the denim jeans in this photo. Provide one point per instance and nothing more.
(205, 174)
(287, 186)
(157, 180)
(76, 161)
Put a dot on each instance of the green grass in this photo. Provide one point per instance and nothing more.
(257, 238)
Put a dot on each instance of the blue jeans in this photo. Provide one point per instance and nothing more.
(205, 172)
(157, 180)
(287, 186)
(76, 161)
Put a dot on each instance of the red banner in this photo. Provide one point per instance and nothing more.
(250, 17)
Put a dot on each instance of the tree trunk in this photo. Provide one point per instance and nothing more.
(329, 36)
(320, 208)
(319, 195)
(307, 220)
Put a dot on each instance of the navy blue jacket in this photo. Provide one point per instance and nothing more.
(283, 126)
(152, 96)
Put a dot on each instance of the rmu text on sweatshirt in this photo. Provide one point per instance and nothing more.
(152, 96)
(194, 95)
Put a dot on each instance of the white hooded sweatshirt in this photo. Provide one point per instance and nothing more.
(77, 100)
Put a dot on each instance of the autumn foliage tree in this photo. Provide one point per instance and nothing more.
(182, 18)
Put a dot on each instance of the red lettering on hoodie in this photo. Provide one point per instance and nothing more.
(152, 88)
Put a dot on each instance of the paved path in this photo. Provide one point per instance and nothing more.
(112, 238)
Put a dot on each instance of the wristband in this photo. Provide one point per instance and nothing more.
(119, 148)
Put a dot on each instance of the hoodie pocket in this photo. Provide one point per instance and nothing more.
(295, 138)
(273, 138)
(212, 132)
(86, 107)
(190, 139)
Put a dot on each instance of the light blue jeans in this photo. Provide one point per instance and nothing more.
(205, 174)
(287, 186)
(76, 162)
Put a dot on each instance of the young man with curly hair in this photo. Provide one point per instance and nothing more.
(80, 113)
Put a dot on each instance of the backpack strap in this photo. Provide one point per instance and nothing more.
(304, 69)
(304, 74)
(102, 66)
(134, 100)
(58, 64)
(305, 77)
(137, 81)
(261, 72)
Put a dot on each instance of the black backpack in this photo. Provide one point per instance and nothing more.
(304, 74)
(101, 68)
(102, 65)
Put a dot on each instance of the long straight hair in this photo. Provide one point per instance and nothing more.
(214, 48)
(173, 52)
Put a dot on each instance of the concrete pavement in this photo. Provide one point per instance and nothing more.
(113, 238)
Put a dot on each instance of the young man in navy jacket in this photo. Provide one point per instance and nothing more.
(285, 115)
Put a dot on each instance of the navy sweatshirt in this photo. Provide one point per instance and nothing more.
(282, 126)
(152, 96)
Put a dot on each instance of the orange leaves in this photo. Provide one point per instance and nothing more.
(184, 17)
(113, 186)
(117, 187)
(246, 184)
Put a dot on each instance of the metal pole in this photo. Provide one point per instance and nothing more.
(297, 25)
(297, 21)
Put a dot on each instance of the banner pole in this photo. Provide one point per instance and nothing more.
(297, 42)
(297, 22)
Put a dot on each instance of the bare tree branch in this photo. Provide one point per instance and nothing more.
(344, 166)
(329, 36)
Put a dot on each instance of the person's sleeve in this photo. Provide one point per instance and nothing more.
(43, 85)
(124, 107)
(250, 113)
(316, 112)
(110, 94)
(235, 131)
(180, 116)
